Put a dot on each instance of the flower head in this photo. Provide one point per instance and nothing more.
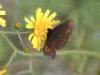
(40, 24)
(2, 13)
(3, 72)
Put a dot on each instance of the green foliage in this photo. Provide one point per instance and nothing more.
(85, 36)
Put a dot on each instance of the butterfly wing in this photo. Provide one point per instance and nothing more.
(57, 37)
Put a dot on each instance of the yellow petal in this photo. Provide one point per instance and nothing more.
(27, 20)
(53, 24)
(2, 22)
(46, 14)
(32, 19)
(30, 36)
(2, 12)
(3, 72)
(29, 26)
(35, 43)
(39, 14)
(52, 16)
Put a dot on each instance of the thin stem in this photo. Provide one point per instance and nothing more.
(82, 64)
(11, 58)
(13, 32)
(83, 61)
(80, 52)
(66, 52)
(20, 40)
(31, 65)
(10, 43)
(29, 54)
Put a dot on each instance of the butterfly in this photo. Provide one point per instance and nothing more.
(57, 37)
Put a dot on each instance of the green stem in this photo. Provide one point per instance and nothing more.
(11, 32)
(20, 39)
(11, 58)
(82, 64)
(10, 43)
(31, 65)
(80, 52)
(66, 52)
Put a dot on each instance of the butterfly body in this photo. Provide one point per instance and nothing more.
(57, 37)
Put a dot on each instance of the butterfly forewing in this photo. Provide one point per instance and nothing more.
(57, 37)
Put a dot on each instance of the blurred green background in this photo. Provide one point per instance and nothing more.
(85, 36)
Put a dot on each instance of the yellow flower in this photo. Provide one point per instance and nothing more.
(3, 72)
(2, 13)
(40, 24)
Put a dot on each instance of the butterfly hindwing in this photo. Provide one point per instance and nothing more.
(57, 37)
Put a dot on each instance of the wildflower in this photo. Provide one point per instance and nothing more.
(3, 72)
(2, 13)
(40, 25)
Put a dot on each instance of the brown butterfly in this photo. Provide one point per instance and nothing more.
(57, 37)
